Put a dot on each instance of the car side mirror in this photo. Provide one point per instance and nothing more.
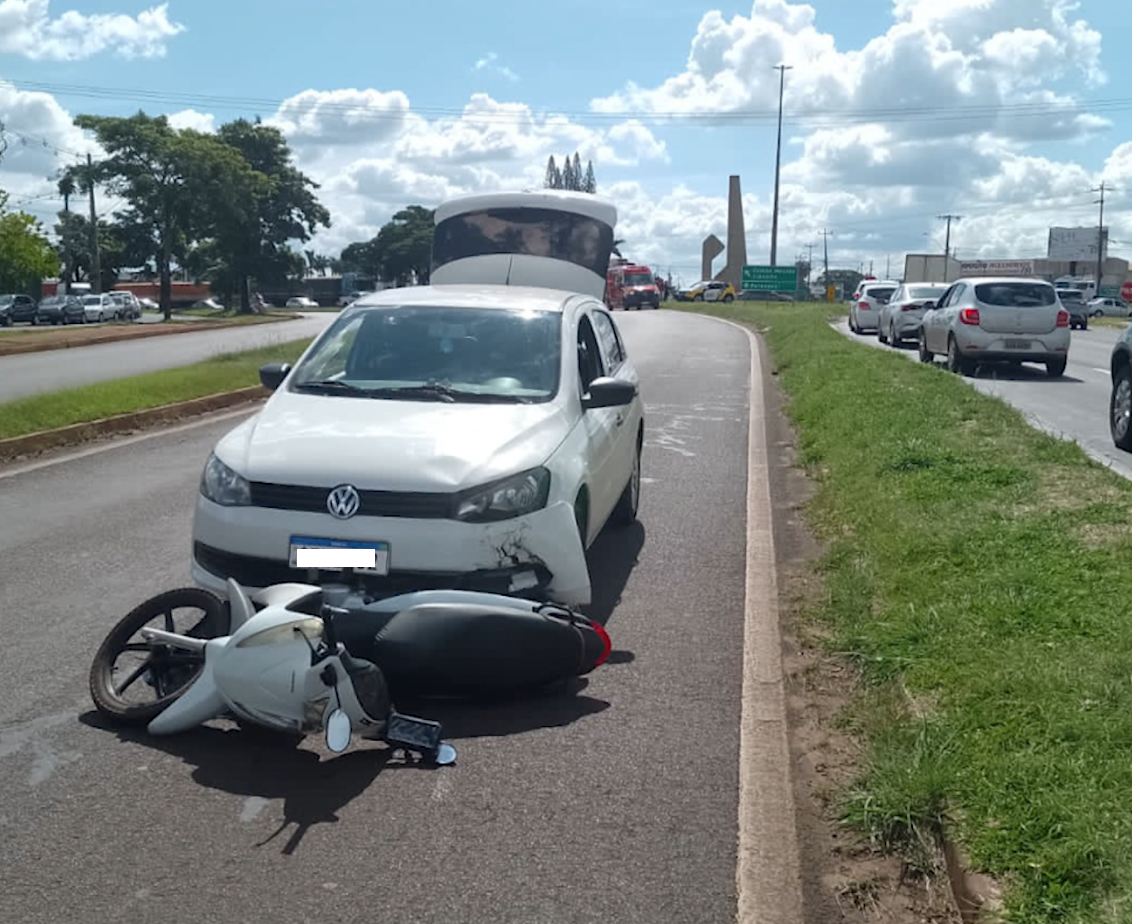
(608, 392)
(928, 306)
(273, 374)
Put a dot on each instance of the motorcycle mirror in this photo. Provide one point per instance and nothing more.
(338, 731)
(445, 754)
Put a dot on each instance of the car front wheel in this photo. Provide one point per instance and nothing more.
(1120, 409)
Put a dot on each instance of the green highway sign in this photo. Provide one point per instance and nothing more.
(774, 278)
(1109, 292)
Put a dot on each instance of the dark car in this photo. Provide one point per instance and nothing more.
(62, 309)
(1073, 301)
(1120, 399)
(16, 309)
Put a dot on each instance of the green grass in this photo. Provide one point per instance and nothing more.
(223, 372)
(978, 575)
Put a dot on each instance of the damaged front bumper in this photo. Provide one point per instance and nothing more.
(539, 555)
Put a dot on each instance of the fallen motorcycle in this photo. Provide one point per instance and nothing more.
(304, 658)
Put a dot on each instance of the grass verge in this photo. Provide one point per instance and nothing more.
(224, 372)
(978, 576)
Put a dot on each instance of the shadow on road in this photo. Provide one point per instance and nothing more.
(1005, 372)
(314, 788)
(611, 560)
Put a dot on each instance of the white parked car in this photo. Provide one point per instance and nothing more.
(301, 301)
(473, 436)
(901, 316)
(100, 307)
(1107, 308)
(997, 319)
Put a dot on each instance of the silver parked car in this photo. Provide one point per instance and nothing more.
(864, 312)
(1108, 308)
(997, 319)
(900, 319)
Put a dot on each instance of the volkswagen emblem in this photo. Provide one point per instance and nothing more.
(343, 501)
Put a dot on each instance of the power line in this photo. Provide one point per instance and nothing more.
(832, 117)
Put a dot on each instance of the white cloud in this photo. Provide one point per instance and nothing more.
(26, 28)
(190, 118)
(490, 63)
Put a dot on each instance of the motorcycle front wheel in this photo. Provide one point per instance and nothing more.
(154, 670)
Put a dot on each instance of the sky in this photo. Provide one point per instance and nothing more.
(1007, 113)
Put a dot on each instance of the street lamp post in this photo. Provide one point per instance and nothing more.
(782, 69)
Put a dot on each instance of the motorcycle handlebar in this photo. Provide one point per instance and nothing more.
(329, 614)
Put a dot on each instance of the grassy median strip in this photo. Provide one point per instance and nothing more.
(979, 575)
(224, 372)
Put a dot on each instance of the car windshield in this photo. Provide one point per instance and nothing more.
(1070, 295)
(436, 352)
(51, 300)
(926, 291)
(638, 279)
(1015, 294)
(92, 300)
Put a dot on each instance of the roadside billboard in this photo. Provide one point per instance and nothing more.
(1073, 244)
(997, 268)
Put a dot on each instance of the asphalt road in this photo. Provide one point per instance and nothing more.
(34, 373)
(1074, 406)
(616, 803)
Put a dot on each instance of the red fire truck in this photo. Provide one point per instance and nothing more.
(629, 286)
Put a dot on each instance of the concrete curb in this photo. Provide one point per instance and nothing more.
(35, 443)
(137, 333)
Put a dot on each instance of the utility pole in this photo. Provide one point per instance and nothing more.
(825, 244)
(947, 241)
(888, 266)
(782, 69)
(1100, 242)
(809, 264)
(96, 257)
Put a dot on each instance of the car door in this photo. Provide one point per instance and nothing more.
(600, 425)
(627, 419)
(711, 292)
(931, 318)
(937, 330)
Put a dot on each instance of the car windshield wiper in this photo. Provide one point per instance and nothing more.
(446, 393)
(331, 386)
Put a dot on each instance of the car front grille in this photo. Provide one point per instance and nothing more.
(251, 571)
(415, 505)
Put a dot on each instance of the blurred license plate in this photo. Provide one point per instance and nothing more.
(336, 554)
(1018, 344)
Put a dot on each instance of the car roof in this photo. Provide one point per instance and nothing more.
(980, 280)
(472, 296)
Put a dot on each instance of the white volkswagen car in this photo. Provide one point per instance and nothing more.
(472, 436)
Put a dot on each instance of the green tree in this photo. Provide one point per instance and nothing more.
(589, 182)
(553, 175)
(26, 255)
(76, 249)
(362, 257)
(404, 244)
(181, 186)
(569, 180)
(278, 206)
(617, 242)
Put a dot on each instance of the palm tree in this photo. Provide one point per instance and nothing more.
(617, 242)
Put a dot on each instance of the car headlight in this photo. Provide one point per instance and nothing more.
(223, 486)
(503, 500)
(311, 628)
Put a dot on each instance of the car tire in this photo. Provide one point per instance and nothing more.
(926, 355)
(881, 335)
(728, 298)
(1120, 409)
(956, 361)
(625, 513)
(582, 516)
(1056, 367)
(698, 298)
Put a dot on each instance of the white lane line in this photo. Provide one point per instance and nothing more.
(768, 870)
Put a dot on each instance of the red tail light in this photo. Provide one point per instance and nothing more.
(909, 307)
(1063, 319)
(969, 316)
(864, 305)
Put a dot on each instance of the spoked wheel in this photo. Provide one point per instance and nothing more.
(132, 680)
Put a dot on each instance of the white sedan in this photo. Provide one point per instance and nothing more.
(469, 436)
(301, 301)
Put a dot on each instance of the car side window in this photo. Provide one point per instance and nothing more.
(945, 299)
(611, 354)
(589, 354)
